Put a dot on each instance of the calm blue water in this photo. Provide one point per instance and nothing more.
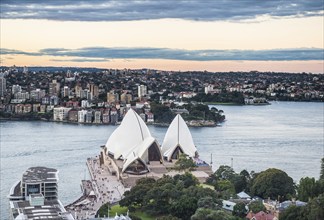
(285, 135)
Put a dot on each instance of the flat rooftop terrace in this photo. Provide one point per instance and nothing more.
(40, 174)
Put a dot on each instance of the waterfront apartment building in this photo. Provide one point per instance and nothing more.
(35, 196)
(82, 116)
(73, 115)
(89, 116)
(97, 117)
(60, 113)
(106, 116)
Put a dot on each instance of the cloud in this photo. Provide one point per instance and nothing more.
(4, 51)
(102, 54)
(80, 60)
(128, 10)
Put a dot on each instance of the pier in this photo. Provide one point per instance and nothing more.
(103, 187)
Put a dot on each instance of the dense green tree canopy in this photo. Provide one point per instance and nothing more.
(210, 214)
(307, 189)
(256, 206)
(226, 180)
(239, 210)
(314, 210)
(273, 183)
(184, 163)
(178, 195)
(322, 169)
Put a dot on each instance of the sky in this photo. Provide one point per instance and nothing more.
(215, 35)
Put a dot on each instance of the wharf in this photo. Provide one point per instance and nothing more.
(103, 187)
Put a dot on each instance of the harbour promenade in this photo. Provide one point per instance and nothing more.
(100, 189)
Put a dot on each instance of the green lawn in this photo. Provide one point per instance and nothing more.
(143, 215)
(118, 209)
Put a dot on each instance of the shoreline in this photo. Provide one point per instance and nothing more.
(102, 124)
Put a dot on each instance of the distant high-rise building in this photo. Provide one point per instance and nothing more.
(3, 86)
(66, 91)
(112, 97)
(126, 98)
(37, 95)
(142, 91)
(94, 90)
(78, 90)
(15, 89)
(86, 94)
(25, 69)
(54, 88)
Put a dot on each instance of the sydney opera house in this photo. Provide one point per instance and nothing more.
(131, 152)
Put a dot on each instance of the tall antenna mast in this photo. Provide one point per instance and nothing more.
(211, 158)
(232, 162)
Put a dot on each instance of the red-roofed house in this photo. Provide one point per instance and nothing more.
(261, 216)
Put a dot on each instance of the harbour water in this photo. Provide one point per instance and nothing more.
(285, 135)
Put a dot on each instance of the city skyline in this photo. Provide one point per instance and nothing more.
(186, 35)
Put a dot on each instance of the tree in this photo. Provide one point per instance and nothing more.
(307, 189)
(239, 210)
(209, 214)
(224, 172)
(315, 208)
(239, 182)
(256, 206)
(292, 213)
(322, 169)
(184, 207)
(312, 211)
(207, 203)
(184, 163)
(273, 183)
(187, 179)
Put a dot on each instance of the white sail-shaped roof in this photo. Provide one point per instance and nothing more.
(131, 132)
(178, 135)
(131, 140)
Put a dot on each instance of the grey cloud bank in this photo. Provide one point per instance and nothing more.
(127, 10)
(104, 54)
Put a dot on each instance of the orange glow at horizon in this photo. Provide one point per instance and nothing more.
(314, 66)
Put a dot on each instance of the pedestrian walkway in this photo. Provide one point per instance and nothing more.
(102, 187)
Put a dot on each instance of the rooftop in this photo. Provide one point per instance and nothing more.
(50, 210)
(40, 174)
